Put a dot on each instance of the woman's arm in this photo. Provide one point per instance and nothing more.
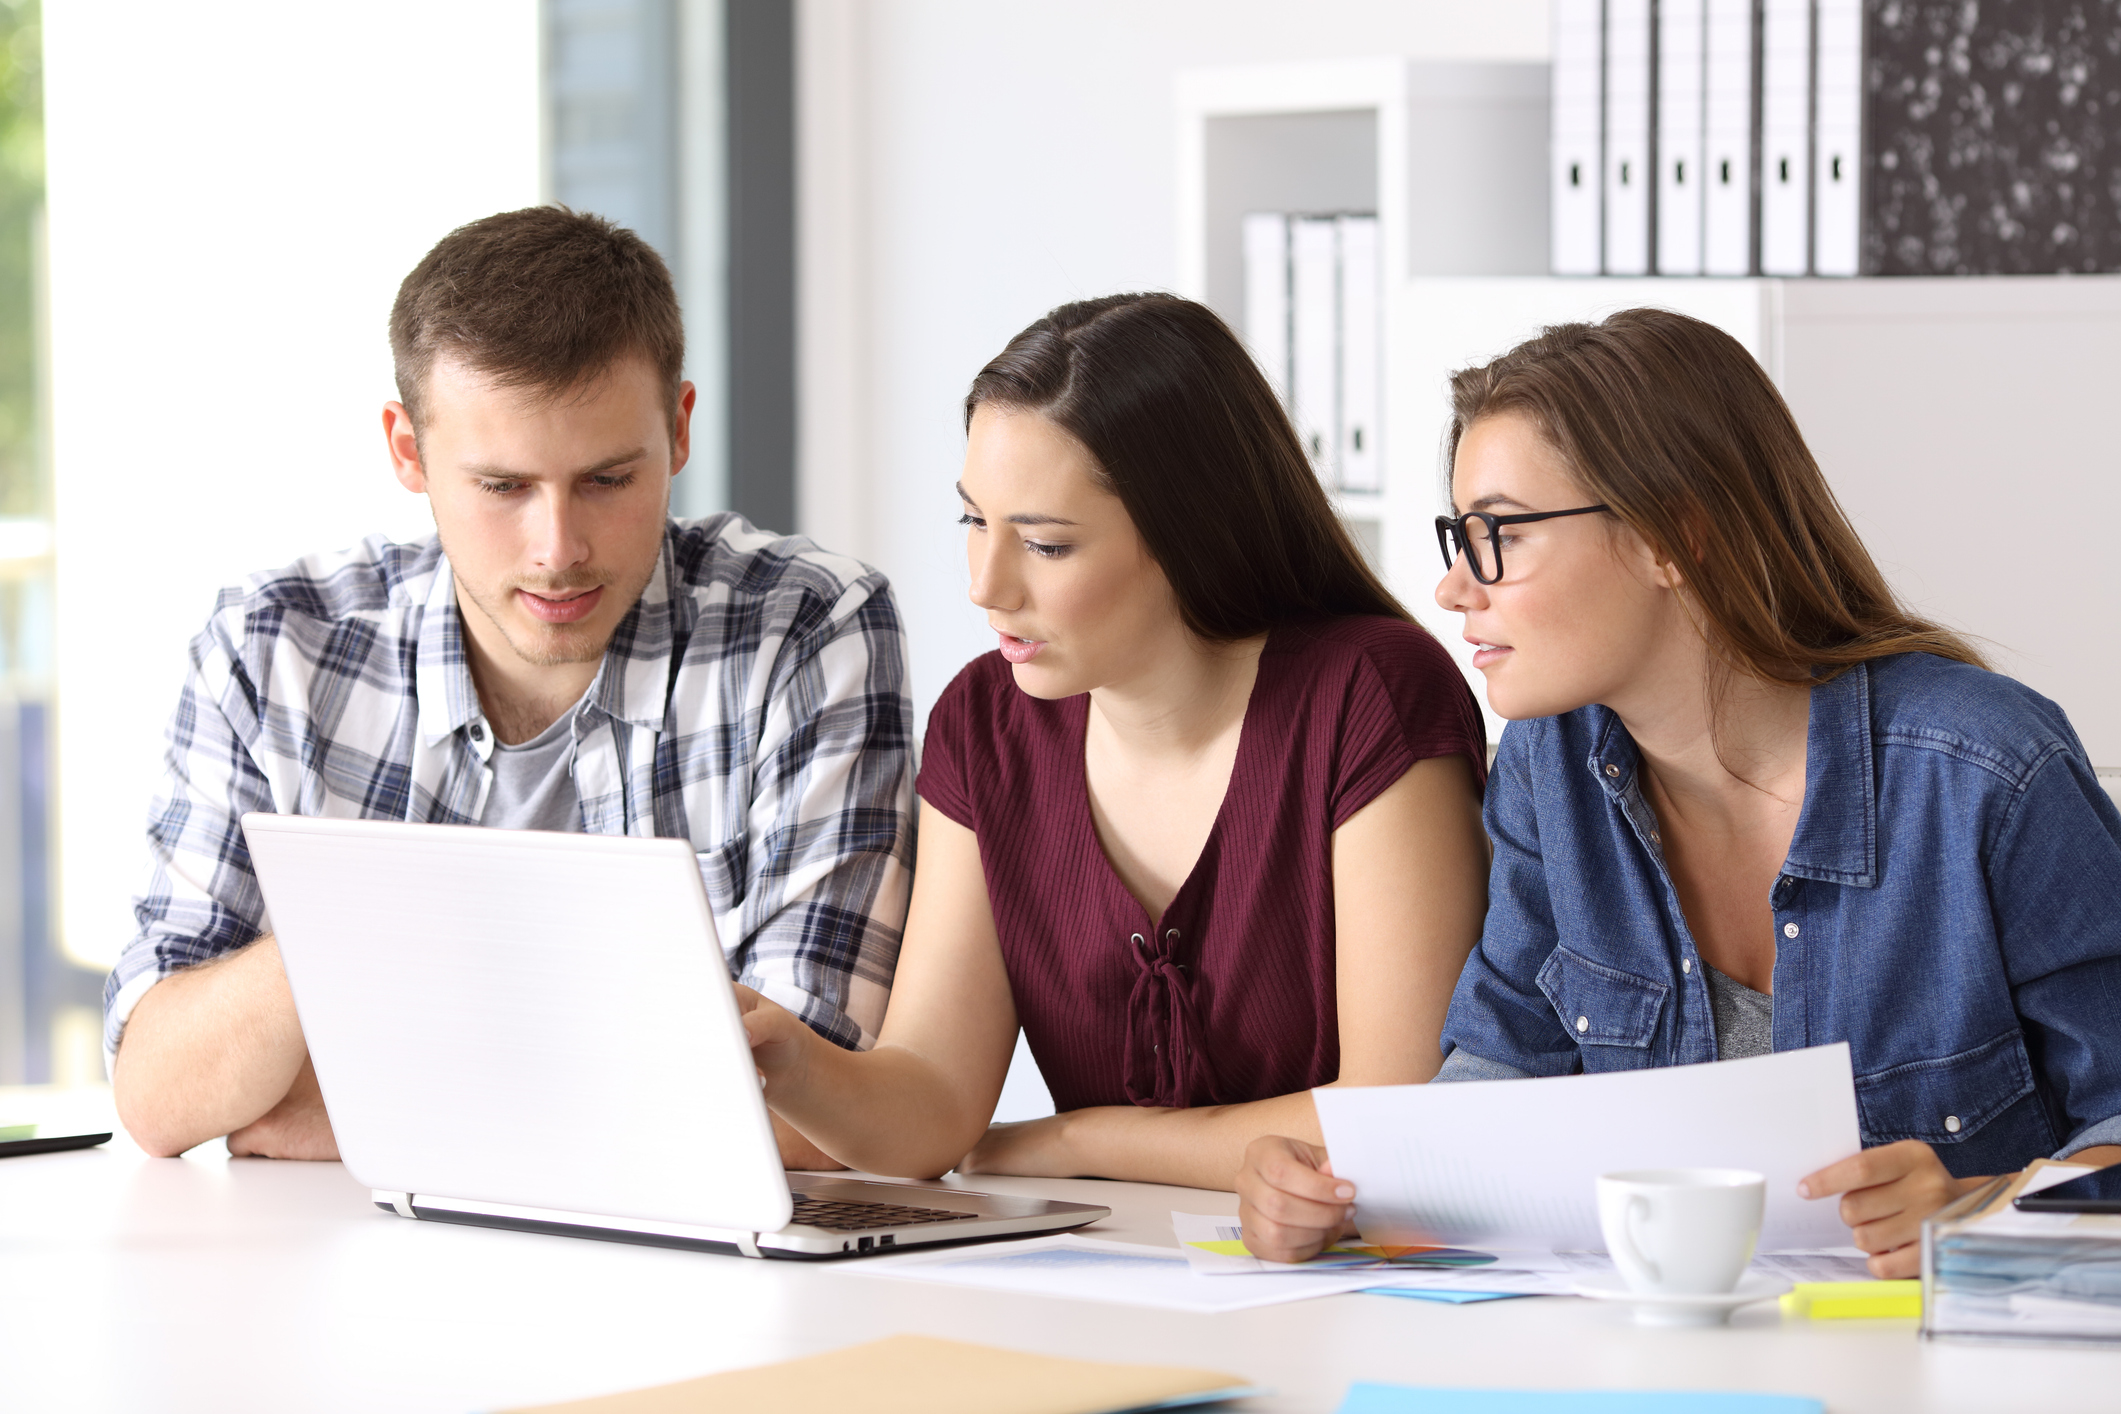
(912, 1106)
(1409, 889)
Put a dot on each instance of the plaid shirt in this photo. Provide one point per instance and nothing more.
(754, 702)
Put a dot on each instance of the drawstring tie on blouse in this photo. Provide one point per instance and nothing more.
(1166, 1065)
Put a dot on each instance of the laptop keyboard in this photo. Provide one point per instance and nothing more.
(846, 1215)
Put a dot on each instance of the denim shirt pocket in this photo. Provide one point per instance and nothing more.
(1947, 1100)
(1603, 1006)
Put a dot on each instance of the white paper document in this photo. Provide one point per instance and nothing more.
(1085, 1269)
(1514, 1163)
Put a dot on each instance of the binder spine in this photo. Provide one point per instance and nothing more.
(1785, 137)
(1730, 116)
(1629, 156)
(1837, 171)
(1576, 115)
(1679, 93)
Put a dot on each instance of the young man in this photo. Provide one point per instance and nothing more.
(560, 655)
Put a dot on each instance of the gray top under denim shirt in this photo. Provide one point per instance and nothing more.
(1950, 907)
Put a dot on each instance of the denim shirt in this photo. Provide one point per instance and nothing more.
(1950, 907)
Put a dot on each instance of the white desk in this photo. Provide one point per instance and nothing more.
(130, 1283)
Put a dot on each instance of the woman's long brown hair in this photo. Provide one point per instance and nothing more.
(1188, 435)
(1671, 424)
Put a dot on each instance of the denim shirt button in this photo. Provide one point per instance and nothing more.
(1686, 965)
(1951, 1124)
(1789, 930)
(1612, 770)
(1583, 1023)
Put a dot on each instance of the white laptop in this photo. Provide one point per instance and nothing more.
(528, 1030)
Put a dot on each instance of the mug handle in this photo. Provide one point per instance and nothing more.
(1638, 1206)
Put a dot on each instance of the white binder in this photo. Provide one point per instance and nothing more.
(1785, 137)
(1266, 236)
(1680, 37)
(1314, 372)
(1628, 175)
(1576, 114)
(1361, 397)
(1837, 176)
(1728, 138)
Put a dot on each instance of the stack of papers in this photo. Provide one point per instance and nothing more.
(1994, 1271)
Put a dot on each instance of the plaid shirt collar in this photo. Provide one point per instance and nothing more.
(635, 691)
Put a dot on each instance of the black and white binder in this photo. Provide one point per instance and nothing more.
(1785, 137)
(1361, 391)
(1629, 177)
(1837, 143)
(1680, 39)
(1266, 237)
(1990, 133)
(1575, 208)
(1314, 339)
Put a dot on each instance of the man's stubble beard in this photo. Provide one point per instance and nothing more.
(568, 649)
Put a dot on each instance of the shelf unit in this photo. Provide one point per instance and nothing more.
(1936, 407)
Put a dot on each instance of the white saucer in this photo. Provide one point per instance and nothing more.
(1658, 1309)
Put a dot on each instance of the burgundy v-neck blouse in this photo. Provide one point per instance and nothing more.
(1229, 996)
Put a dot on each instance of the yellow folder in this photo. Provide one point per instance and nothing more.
(918, 1374)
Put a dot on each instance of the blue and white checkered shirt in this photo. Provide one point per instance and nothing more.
(754, 702)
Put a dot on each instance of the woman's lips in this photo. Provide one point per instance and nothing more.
(1020, 650)
(562, 611)
(1487, 655)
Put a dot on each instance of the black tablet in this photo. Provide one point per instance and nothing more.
(2096, 1192)
(50, 1144)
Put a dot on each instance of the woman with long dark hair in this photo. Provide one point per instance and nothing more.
(1206, 824)
(1747, 801)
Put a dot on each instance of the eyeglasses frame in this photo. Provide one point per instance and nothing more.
(1450, 528)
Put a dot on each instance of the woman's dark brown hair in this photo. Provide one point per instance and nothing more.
(1186, 432)
(1671, 424)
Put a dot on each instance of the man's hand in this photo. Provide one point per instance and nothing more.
(1288, 1201)
(296, 1128)
(1885, 1194)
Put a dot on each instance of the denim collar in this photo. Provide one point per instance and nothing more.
(1836, 839)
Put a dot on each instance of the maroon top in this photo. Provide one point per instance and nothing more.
(1229, 997)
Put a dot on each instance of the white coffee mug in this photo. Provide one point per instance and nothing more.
(1681, 1232)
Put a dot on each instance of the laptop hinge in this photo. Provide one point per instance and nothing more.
(399, 1203)
(748, 1243)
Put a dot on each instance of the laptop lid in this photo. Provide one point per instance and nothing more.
(536, 1019)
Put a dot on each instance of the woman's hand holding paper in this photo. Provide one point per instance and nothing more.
(1289, 1202)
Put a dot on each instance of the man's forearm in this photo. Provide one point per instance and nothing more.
(208, 1050)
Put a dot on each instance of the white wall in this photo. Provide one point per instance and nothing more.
(236, 189)
(970, 164)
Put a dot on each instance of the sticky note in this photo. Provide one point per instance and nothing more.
(1853, 1300)
(17, 1131)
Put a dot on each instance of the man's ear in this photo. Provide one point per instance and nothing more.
(681, 428)
(404, 448)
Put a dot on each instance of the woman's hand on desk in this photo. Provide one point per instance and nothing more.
(1289, 1202)
(1886, 1192)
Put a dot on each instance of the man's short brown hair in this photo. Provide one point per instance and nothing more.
(543, 299)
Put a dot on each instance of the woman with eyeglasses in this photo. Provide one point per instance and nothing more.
(1206, 824)
(1747, 800)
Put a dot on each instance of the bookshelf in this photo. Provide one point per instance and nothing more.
(1936, 406)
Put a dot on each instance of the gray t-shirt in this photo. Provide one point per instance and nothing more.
(533, 784)
(1745, 1019)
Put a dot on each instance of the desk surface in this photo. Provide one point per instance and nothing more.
(204, 1283)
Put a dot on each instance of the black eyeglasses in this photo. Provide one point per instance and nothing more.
(1478, 536)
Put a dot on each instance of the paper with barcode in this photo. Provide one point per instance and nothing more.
(1514, 1163)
